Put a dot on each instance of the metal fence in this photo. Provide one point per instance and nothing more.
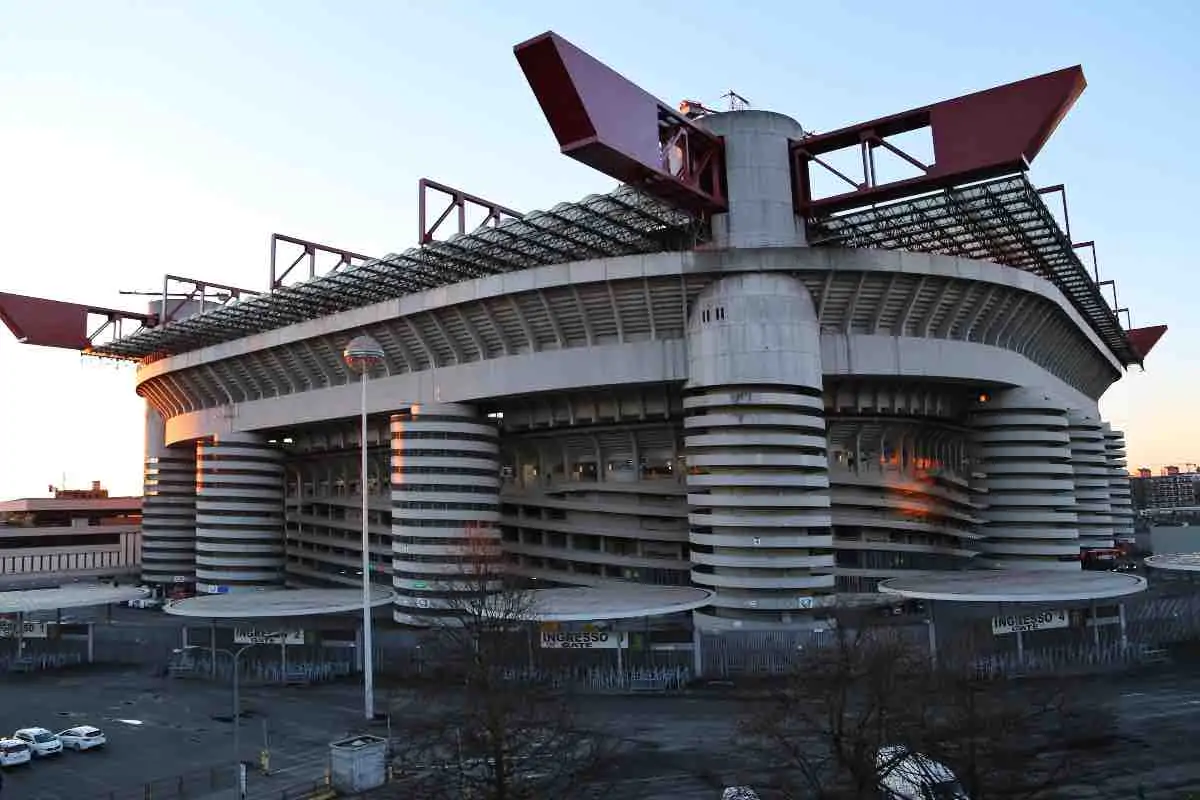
(188, 786)
(1166, 617)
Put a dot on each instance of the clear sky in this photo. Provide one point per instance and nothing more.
(141, 138)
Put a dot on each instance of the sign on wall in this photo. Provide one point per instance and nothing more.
(31, 629)
(255, 636)
(1023, 623)
(585, 640)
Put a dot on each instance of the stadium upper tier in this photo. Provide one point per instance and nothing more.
(1003, 221)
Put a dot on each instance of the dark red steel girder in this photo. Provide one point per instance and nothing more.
(1143, 339)
(308, 250)
(53, 323)
(602, 119)
(459, 201)
(982, 135)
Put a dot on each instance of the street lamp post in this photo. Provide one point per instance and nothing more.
(235, 656)
(362, 355)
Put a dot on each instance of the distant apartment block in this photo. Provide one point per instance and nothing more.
(1172, 488)
(76, 534)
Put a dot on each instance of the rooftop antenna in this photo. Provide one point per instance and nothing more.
(736, 101)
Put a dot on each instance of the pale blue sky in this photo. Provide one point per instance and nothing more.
(138, 138)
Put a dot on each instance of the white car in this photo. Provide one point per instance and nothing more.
(41, 741)
(83, 737)
(907, 775)
(13, 752)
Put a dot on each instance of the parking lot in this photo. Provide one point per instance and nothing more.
(159, 728)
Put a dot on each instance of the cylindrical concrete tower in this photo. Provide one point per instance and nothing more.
(758, 180)
(168, 508)
(1119, 490)
(758, 484)
(445, 508)
(1090, 462)
(1025, 450)
(239, 514)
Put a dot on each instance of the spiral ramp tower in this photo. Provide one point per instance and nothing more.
(758, 485)
(239, 514)
(1119, 489)
(445, 509)
(1024, 446)
(1089, 460)
(168, 509)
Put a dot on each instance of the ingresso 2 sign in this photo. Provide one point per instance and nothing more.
(584, 640)
(1023, 623)
(253, 636)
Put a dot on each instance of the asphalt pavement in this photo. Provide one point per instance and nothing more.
(161, 728)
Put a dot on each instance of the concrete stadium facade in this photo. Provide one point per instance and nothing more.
(785, 425)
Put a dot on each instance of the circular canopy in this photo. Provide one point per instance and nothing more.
(1008, 586)
(75, 596)
(1175, 562)
(274, 603)
(591, 603)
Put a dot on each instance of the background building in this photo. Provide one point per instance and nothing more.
(1171, 489)
(723, 373)
(78, 534)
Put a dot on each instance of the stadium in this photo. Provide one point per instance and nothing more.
(747, 369)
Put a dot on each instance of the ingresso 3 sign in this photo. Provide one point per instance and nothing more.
(1023, 623)
(584, 640)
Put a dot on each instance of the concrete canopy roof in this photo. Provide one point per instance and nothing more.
(628, 601)
(1175, 562)
(274, 603)
(1007, 586)
(73, 596)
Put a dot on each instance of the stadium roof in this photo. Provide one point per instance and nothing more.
(77, 596)
(1011, 586)
(585, 603)
(276, 603)
(1003, 221)
(1174, 562)
(624, 222)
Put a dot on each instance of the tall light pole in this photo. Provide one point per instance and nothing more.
(362, 355)
(235, 656)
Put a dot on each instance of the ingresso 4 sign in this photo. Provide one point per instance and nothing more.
(1037, 621)
(584, 640)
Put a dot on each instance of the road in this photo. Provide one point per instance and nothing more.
(159, 728)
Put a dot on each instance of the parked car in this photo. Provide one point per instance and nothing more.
(82, 737)
(13, 752)
(906, 775)
(41, 741)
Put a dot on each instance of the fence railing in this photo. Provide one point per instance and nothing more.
(187, 786)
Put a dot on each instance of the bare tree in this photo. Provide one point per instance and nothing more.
(871, 705)
(819, 734)
(499, 734)
(1011, 740)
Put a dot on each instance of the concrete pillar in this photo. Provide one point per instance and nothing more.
(758, 180)
(758, 484)
(239, 514)
(445, 504)
(168, 508)
(1025, 451)
(91, 643)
